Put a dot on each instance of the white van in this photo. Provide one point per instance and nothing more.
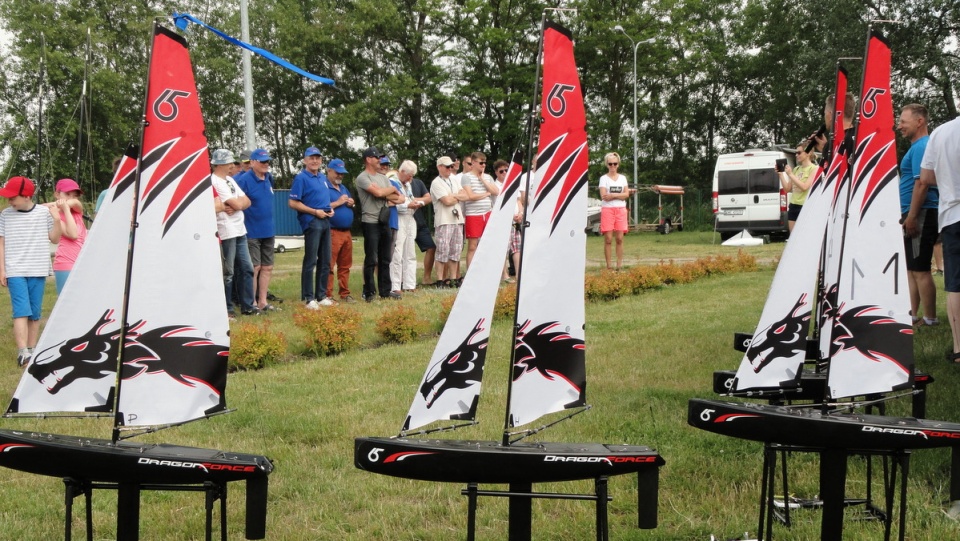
(747, 193)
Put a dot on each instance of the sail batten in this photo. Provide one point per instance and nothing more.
(174, 362)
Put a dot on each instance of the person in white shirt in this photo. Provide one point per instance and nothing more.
(480, 190)
(614, 192)
(403, 266)
(233, 233)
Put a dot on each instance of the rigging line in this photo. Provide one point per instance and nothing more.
(529, 162)
(449, 428)
(134, 431)
(532, 431)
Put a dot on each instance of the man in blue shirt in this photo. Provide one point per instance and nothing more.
(341, 240)
(257, 183)
(310, 197)
(920, 226)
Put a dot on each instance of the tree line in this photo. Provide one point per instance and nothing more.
(419, 77)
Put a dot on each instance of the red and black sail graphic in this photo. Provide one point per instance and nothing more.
(175, 143)
(836, 169)
(563, 159)
(876, 155)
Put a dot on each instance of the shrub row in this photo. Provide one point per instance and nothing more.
(608, 285)
(336, 329)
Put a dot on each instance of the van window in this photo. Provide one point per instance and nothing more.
(732, 182)
(764, 180)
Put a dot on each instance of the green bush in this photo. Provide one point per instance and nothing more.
(253, 347)
(400, 325)
(330, 330)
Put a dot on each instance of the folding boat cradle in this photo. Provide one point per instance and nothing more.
(128, 506)
(833, 462)
(521, 497)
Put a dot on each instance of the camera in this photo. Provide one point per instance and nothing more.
(781, 165)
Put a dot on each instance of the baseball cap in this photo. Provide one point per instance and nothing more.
(312, 151)
(221, 156)
(245, 156)
(337, 165)
(260, 155)
(444, 160)
(68, 185)
(385, 160)
(372, 152)
(17, 186)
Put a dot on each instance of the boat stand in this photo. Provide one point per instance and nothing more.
(833, 476)
(521, 497)
(128, 505)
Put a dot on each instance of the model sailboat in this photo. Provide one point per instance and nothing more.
(866, 338)
(140, 333)
(547, 373)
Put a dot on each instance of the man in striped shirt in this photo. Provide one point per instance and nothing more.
(26, 229)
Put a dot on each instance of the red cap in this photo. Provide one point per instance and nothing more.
(17, 186)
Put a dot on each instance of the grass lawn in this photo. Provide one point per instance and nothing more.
(647, 355)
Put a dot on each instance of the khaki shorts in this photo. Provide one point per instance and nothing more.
(261, 251)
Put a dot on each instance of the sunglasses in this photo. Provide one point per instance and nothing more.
(614, 164)
(482, 163)
(501, 171)
(265, 161)
(449, 166)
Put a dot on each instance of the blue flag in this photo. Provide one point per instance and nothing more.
(183, 19)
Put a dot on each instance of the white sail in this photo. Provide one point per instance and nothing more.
(450, 387)
(778, 348)
(549, 371)
(176, 343)
(872, 337)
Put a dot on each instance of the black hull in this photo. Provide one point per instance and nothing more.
(809, 427)
(457, 461)
(102, 461)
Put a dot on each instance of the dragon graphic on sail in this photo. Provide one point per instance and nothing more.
(175, 359)
(450, 388)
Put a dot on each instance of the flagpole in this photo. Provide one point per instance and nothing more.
(250, 134)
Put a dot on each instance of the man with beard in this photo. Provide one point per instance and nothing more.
(341, 240)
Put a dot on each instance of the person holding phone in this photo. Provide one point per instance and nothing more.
(797, 181)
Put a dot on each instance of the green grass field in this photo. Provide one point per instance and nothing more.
(647, 355)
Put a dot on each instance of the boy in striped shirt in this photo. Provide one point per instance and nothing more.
(26, 229)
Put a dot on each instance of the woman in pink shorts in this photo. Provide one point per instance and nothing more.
(614, 191)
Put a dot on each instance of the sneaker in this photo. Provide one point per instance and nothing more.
(348, 299)
(327, 301)
(269, 308)
(313, 305)
(394, 296)
(369, 298)
(253, 312)
(23, 358)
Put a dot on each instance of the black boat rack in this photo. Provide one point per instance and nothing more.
(521, 497)
(811, 386)
(128, 506)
